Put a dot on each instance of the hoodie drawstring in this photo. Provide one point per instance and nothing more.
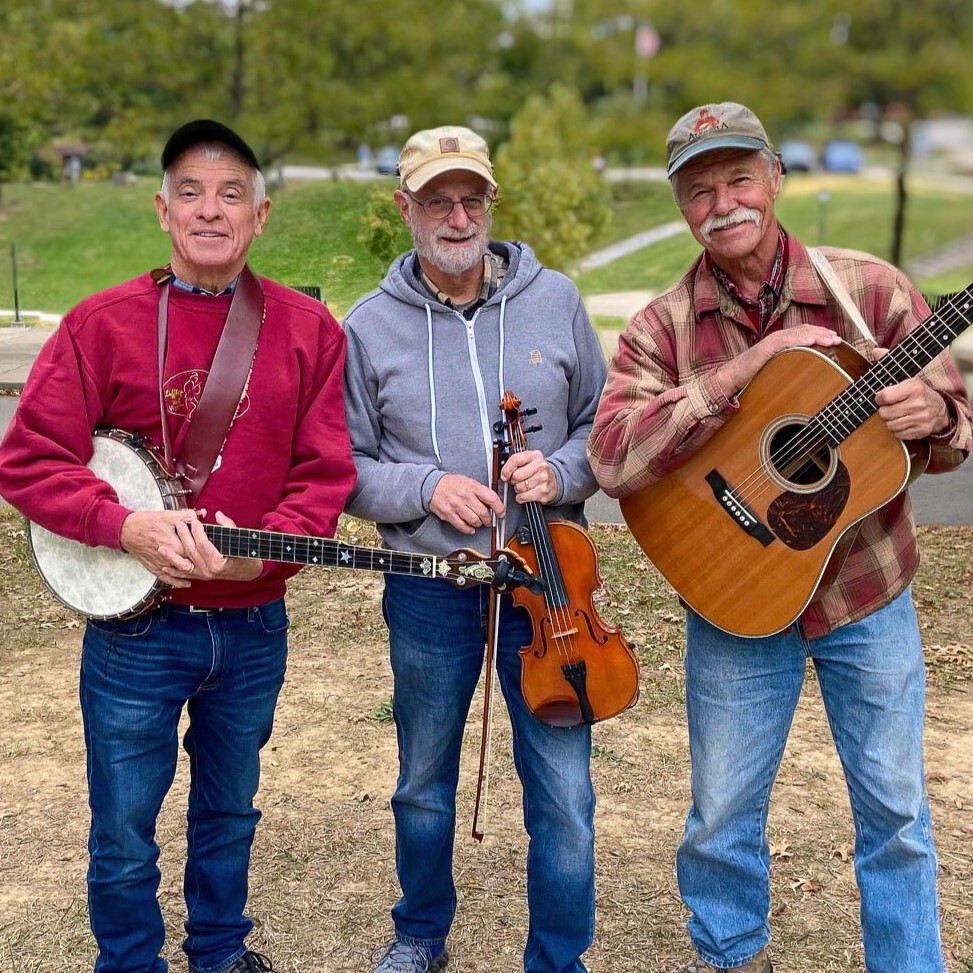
(502, 386)
(432, 386)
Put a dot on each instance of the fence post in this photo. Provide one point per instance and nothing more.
(17, 323)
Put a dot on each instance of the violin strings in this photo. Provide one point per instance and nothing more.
(547, 561)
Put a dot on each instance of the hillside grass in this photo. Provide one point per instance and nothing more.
(75, 240)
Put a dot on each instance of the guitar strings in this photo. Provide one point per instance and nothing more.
(859, 396)
(813, 434)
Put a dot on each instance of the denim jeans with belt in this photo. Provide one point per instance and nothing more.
(740, 696)
(227, 668)
(437, 637)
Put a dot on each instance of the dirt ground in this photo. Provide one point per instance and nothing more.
(323, 869)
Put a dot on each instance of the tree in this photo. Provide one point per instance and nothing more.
(22, 93)
(305, 75)
(552, 195)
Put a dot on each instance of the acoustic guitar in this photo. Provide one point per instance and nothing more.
(750, 526)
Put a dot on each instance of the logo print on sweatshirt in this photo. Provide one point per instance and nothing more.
(536, 357)
(182, 393)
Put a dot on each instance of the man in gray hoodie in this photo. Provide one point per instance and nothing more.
(456, 322)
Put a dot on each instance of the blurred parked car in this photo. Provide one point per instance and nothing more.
(841, 155)
(797, 156)
(387, 160)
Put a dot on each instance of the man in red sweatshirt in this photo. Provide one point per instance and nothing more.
(137, 357)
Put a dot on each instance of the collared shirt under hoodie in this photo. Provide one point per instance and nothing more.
(494, 270)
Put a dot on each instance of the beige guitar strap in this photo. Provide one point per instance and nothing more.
(839, 291)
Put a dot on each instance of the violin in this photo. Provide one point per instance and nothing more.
(576, 669)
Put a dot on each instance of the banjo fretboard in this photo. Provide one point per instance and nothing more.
(325, 552)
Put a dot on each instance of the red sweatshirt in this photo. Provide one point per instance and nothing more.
(286, 465)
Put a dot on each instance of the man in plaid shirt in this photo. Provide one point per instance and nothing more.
(674, 381)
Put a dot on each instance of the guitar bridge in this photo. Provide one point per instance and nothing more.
(742, 515)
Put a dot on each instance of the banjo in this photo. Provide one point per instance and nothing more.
(100, 582)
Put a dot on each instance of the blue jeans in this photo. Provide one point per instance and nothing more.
(136, 676)
(437, 637)
(740, 700)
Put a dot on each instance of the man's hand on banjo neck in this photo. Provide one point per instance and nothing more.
(173, 546)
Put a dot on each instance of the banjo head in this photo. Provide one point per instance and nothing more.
(97, 581)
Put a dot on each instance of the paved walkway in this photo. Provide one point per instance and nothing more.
(633, 244)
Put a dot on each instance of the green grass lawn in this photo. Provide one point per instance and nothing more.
(73, 241)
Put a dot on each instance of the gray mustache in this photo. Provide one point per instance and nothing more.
(742, 215)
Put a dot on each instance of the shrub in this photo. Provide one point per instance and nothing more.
(554, 198)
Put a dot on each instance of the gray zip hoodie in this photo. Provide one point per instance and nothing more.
(423, 386)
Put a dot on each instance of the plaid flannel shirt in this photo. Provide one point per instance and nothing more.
(662, 402)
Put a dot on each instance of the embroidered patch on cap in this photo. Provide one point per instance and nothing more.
(449, 145)
(706, 122)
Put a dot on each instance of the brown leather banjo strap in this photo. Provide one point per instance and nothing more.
(225, 384)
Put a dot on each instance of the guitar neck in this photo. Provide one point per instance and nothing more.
(319, 551)
(849, 410)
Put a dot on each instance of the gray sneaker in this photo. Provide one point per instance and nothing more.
(403, 957)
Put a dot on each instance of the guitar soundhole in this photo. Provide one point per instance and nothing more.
(799, 462)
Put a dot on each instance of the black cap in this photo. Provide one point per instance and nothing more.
(205, 130)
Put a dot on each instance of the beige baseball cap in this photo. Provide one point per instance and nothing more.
(433, 151)
(710, 127)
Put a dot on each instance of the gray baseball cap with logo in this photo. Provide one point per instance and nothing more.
(710, 127)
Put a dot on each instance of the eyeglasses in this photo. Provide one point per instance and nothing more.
(439, 207)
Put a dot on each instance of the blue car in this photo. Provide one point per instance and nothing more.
(387, 161)
(797, 156)
(842, 155)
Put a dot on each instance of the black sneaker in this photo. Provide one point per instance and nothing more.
(249, 962)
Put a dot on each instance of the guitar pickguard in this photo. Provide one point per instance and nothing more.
(801, 520)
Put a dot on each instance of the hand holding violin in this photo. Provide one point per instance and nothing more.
(531, 476)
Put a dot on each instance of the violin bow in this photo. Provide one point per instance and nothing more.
(490, 661)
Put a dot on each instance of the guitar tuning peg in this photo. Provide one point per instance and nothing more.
(528, 412)
(533, 429)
